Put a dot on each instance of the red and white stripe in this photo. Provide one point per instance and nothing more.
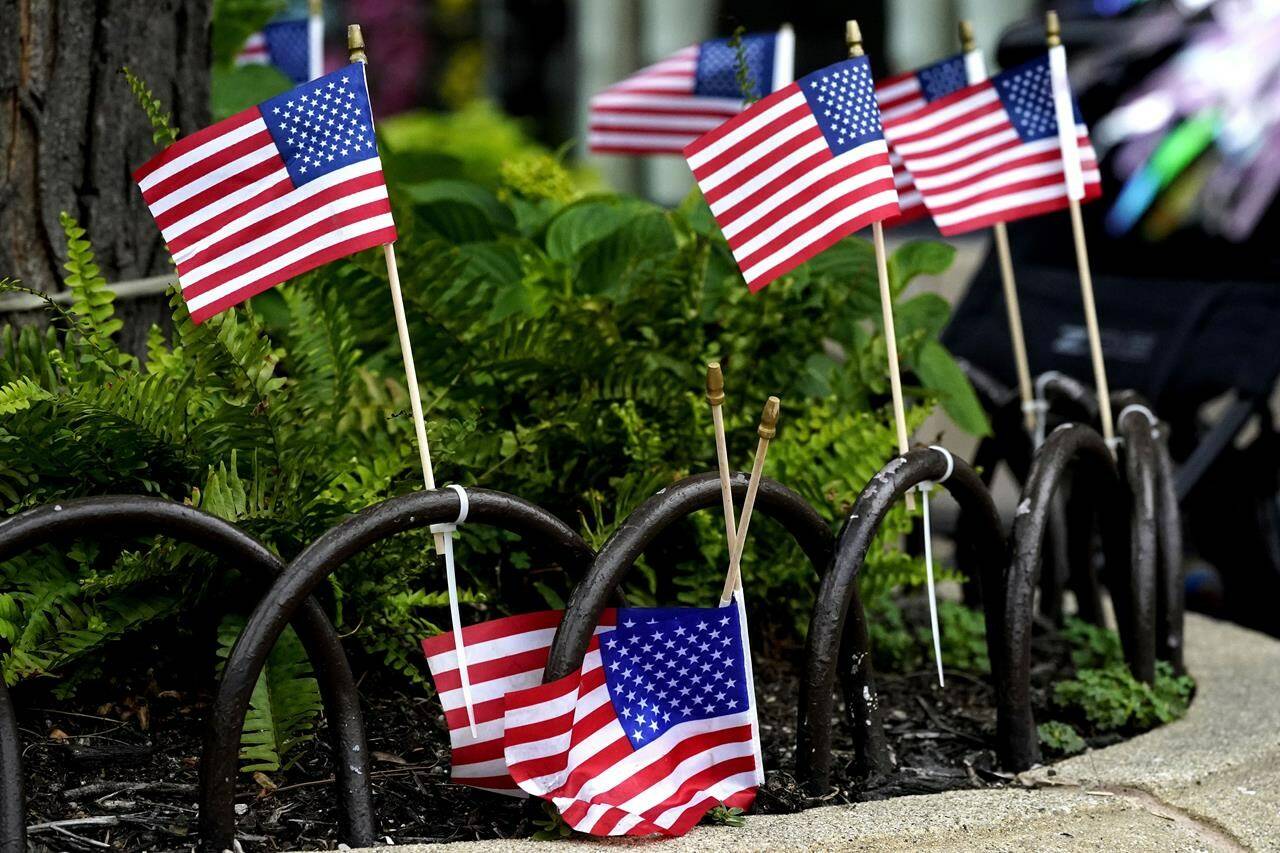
(502, 655)
(235, 223)
(779, 194)
(255, 51)
(655, 110)
(897, 96)
(973, 170)
(564, 743)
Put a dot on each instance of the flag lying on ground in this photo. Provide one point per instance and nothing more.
(990, 152)
(906, 93)
(658, 726)
(502, 655)
(797, 171)
(271, 192)
(662, 108)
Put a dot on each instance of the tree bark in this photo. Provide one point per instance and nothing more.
(71, 133)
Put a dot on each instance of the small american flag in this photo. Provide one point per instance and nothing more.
(990, 152)
(906, 93)
(662, 108)
(798, 171)
(657, 727)
(271, 192)
(283, 44)
(502, 655)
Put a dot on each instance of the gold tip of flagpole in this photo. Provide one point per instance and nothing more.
(715, 383)
(967, 40)
(315, 7)
(769, 419)
(853, 38)
(355, 43)
(1052, 29)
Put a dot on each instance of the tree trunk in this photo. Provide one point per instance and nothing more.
(71, 133)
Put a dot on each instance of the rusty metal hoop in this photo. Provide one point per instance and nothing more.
(130, 516)
(839, 588)
(301, 577)
(1070, 445)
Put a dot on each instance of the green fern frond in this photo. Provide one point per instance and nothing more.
(284, 706)
(163, 133)
(20, 395)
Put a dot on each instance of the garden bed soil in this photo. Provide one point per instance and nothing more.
(125, 773)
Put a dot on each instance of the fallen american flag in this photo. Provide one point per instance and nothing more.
(907, 92)
(271, 192)
(797, 171)
(658, 726)
(502, 655)
(662, 108)
(991, 152)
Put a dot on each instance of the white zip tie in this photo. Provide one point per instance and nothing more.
(451, 579)
(1145, 412)
(925, 488)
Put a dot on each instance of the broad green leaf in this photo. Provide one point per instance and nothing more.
(581, 224)
(924, 314)
(939, 373)
(918, 257)
(238, 87)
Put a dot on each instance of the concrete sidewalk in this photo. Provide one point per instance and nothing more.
(1208, 782)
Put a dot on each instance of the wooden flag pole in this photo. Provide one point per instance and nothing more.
(1000, 233)
(355, 45)
(1053, 36)
(853, 37)
(715, 398)
(767, 430)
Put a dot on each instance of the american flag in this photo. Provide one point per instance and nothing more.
(662, 108)
(657, 727)
(906, 93)
(502, 655)
(271, 192)
(798, 171)
(283, 44)
(990, 152)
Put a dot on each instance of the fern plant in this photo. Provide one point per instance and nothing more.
(284, 704)
(564, 333)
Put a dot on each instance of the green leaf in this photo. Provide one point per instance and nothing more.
(584, 222)
(237, 87)
(939, 373)
(918, 257)
(285, 703)
(234, 21)
(923, 315)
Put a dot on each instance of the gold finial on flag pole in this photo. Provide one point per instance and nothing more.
(1071, 165)
(967, 40)
(853, 38)
(355, 43)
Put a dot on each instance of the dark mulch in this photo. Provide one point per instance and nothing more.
(124, 774)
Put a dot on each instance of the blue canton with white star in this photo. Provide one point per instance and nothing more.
(289, 46)
(843, 100)
(322, 125)
(942, 78)
(1027, 94)
(665, 666)
(717, 72)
